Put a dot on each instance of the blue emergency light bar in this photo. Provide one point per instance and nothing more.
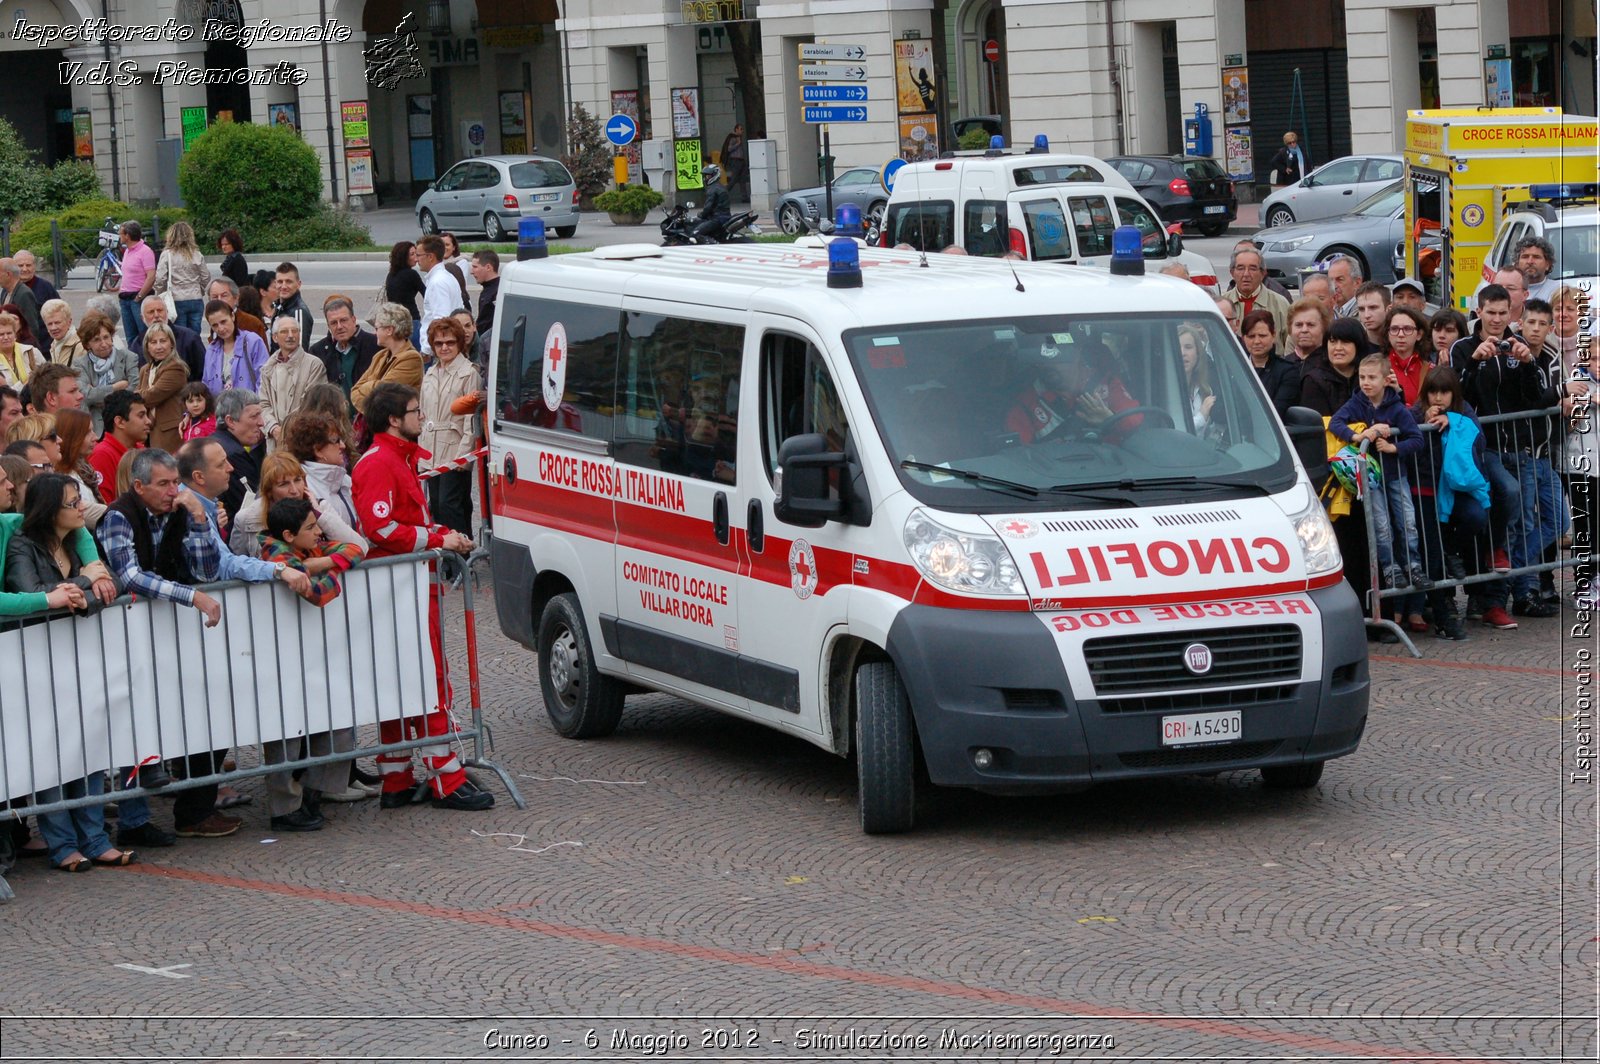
(1041, 145)
(844, 263)
(1563, 192)
(847, 220)
(530, 240)
(1127, 251)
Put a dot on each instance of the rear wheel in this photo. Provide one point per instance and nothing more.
(430, 225)
(1212, 226)
(1279, 215)
(790, 220)
(885, 750)
(582, 703)
(874, 218)
(565, 232)
(1293, 777)
(493, 228)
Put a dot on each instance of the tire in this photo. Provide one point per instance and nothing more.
(790, 220)
(430, 225)
(1293, 777)
(1279, 215)
(582, 703)
(1348, 252)
(875, 213)
(566, 232)
(493, 229)
(885, 751)
(1213, 226)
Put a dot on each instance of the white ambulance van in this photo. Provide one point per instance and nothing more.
(1045, 207)
(1039, 526)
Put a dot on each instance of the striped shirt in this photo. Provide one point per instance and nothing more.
(116, 536)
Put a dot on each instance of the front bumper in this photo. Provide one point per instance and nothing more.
(1014, 699)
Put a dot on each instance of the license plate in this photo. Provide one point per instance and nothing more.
(548, 197)
(1221, 208)
(1197, 729)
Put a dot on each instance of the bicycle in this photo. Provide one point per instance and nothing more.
(108, 270)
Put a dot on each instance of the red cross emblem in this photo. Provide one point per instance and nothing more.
(554, 355)
(802, 569)
(1017, 528)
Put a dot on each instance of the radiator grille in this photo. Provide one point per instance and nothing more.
(1260, 654)
(1198, 700)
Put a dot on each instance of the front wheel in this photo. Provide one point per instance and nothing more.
(430, 225)
(1293, 777)
(493, 228)
(874, 218)
(1279, 216)
(582, 703)
(566, 232)
(1348, 252)
(790, 220)
(885, 750)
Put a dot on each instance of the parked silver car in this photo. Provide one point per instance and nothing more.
(859, 185)
(492, 193)
(1331, 189)
(1368, 234)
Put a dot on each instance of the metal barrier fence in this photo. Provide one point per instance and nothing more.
(1525, 458)
(68, 246)
(143, 681)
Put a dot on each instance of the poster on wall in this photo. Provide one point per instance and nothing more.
(1235, 95)
(626, 102)
(686, 163)
(82, 135)
(685, 114)
(192, 120)
(1237, 147)
(358, 172)
(919, 137)
(353, 118)
(914, 91)
(284, 114)
(513, 123)
(1497, 82)
(419, 116)
(422, 159)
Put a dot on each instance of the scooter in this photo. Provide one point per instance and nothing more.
(677, 228)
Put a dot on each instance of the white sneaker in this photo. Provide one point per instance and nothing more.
(354, 793)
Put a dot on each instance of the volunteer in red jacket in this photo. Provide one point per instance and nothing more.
(394, 517)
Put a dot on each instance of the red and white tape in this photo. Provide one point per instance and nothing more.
(459, 463)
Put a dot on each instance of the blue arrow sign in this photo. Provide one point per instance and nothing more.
(835, 114)
(890, 168)
(621, 129)
(833, 93)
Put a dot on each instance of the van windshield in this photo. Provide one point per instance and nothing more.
(1070, 411)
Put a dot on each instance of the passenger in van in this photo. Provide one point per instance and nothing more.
(708, 432)
(1075, 391)
(1197, 377)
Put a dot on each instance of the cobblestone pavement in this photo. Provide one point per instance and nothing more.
(704, 879)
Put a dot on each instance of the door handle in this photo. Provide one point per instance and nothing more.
(755, 527)
(719, 517)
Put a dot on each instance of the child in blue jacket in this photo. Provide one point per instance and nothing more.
(1394, 435)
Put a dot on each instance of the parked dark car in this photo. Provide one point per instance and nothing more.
(1195, 192)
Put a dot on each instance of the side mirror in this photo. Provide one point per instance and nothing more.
(1308, 434)
(804, 463)
(1174, 245)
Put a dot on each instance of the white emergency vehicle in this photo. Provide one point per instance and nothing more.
(1038, 524)
(1047, 207)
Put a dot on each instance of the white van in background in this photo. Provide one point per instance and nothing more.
(913, 507)
(1046, 207)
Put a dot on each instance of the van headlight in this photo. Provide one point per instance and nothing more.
(1317, 541)
(961, 561)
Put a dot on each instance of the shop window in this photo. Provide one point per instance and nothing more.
(530, 365)
(678, 396)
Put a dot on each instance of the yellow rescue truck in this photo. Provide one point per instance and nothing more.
(1465, 168)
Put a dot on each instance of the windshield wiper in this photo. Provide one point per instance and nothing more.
(974, 477)
(1181, 483)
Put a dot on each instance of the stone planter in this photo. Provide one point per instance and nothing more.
(626, 219)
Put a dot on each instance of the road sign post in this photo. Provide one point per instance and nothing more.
(821, 115)
(832, 62)
(850, 53)
(832, 72)
(621, 129)
(833, 93)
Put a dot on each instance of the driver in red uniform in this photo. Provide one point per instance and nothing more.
(1076, 390)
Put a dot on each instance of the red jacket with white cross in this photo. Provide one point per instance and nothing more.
(390, 502)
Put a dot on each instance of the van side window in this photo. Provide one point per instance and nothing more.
(926, 226)
(531, 349)
(678, 396)
(983, 223)
(1091, 217)
(1152, 233)
(1047, 230)
(797, 397)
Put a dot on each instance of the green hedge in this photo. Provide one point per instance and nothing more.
(252, 178)
(330, 229)
(80, 224)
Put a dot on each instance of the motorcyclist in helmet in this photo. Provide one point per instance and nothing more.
(717, 209)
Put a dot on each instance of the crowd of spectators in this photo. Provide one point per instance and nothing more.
(1452, 496)
(170, 461)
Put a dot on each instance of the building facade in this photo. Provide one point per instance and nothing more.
(125, 81)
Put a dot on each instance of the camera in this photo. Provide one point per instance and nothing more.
(1504, 347)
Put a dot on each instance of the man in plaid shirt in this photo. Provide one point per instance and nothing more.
(159, 549)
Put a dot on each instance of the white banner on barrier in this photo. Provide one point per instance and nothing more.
(128, 683)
